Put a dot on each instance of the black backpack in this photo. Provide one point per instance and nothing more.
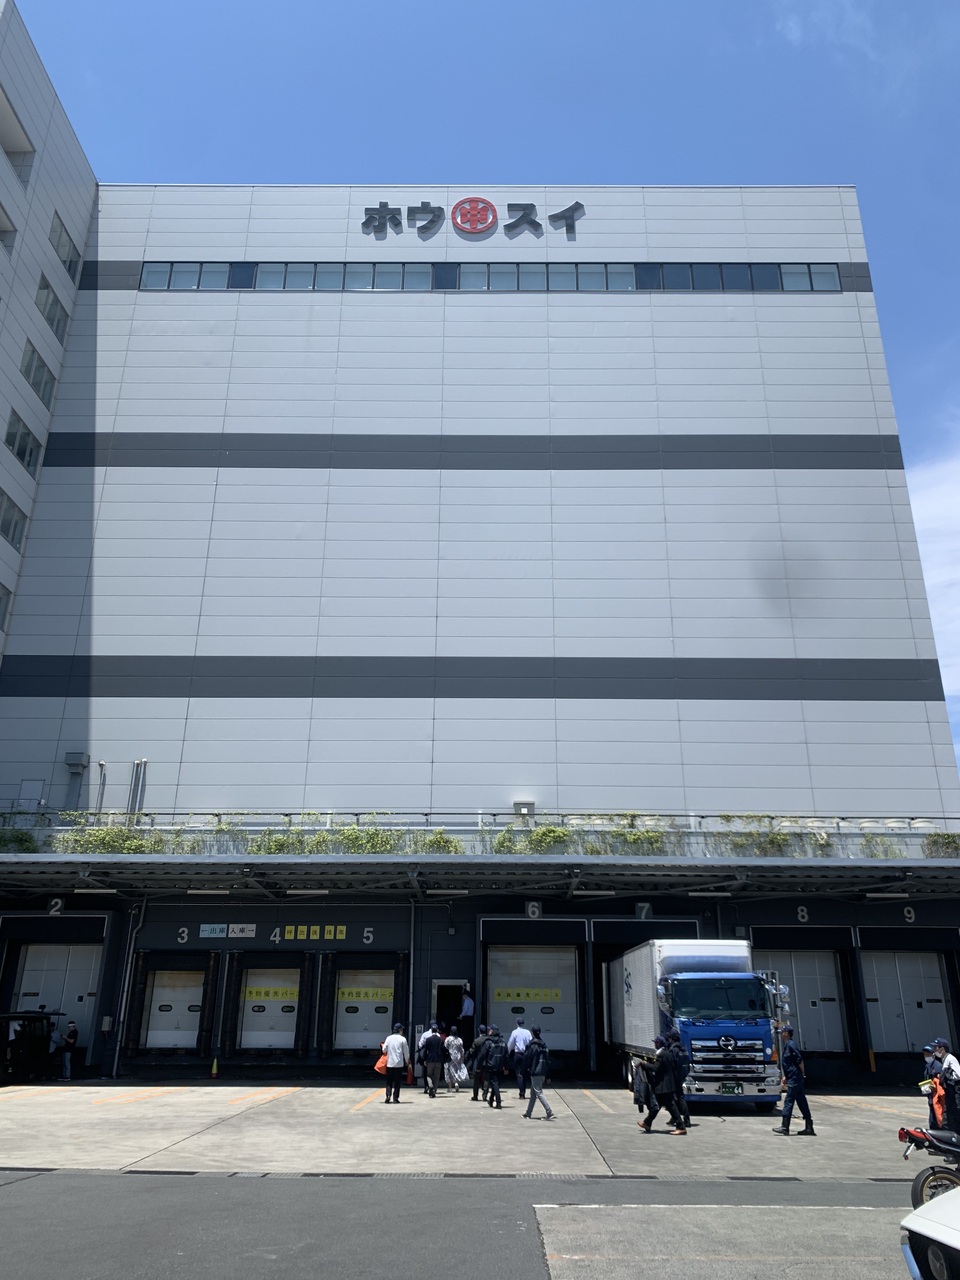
(496, 1054)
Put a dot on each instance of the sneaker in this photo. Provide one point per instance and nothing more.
(550, 1116)
(527, 1115)
(679, 1133)
(781, 1130)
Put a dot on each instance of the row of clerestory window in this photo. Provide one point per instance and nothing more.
(497, 277)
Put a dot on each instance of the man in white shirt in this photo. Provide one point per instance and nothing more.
(950, 1079)
(520, 1037)
(467, 1009)
(398, 1057)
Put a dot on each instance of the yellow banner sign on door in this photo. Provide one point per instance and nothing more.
(527, 995)
(271, 993)
(357, 995)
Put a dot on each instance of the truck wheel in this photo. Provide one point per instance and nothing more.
(932, 1182)
(766, 1108)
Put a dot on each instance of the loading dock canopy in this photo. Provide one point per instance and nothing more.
(429, 877)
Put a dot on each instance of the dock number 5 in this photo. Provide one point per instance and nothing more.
(368, 935)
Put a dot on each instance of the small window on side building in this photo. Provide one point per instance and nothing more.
(562, 276)
(648, 275)
(591, 277)
(22, 443)
(676, 275)
(330, 276)
(184, 275)
(52, 309)
(13, 521)
(242, 273)
(503, 276)
(358, 275)
(269, 275)
(621, 276)
(65, 249)
(473, 276)
(38, 374)
(736, 277)
(388, 275)
(5, 598)
(299, 275)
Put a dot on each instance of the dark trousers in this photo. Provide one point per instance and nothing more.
(493, 1084)
(669, 1102)
(395, 1077)
(796, 1093)
(479, 1082)
(432, 1071)
(521, 1079)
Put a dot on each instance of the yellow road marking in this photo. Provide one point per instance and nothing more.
(373, 1097)
(602, 1105)
(129, 1097)
(270, 1095)
(125, 1102)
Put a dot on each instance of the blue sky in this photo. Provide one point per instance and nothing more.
(610, 91)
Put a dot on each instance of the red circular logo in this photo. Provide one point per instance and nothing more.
(474, 214)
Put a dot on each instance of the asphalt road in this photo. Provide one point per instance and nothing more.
(92, 1226)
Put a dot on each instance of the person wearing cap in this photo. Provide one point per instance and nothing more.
(398, 1056)
(793, 1080)
(950, 1079)
(536, 1066)
(928, 1086)
(70, 1038)
(665, 1084)
(473, 1054)
(491, 1062)
(432, 1029)
(520, 1037)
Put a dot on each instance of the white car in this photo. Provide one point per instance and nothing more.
(930, 1239)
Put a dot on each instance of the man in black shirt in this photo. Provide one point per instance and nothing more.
(793, 1080)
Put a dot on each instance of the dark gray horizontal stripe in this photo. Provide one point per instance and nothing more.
(107, 276)
(473, 453)
(814, 679)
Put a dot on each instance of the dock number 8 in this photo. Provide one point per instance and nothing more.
(803, 915)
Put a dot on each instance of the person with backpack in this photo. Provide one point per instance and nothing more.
(536, 1068)
(949, 1079)
(665, 1088)
(491, 1061)
(681, 1069)
(471, 1060)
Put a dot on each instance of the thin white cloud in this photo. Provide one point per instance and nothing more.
(844, 24)
(887, 47)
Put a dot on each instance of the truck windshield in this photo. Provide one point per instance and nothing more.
(711, 998)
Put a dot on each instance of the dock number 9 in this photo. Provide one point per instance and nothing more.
(909, 915)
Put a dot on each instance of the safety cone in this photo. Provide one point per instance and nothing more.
(214, 1071)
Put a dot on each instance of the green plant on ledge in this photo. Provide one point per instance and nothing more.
(438, 841)
(646, 842)
(360, 841)
(877, 846)
(546, 837)
(121, 840)
(18, 839)
(942, 844)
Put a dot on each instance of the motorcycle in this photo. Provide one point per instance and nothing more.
(935, 1180)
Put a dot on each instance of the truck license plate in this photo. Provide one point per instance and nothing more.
(731, 1088)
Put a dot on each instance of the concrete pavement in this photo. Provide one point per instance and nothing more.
(295, 1129)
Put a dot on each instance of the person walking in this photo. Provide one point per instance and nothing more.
(70, 1038)
(643, 1094)
(931, 1069)
(432, 1029)
(665, 1089)
(681, 1069)
(431, 1054)
(520, 1037)
(536, 1068)
(454, 1069)
(491, 1061)
(398, 1057)
(950, 1080)
(473, 1055)
(793, 1080)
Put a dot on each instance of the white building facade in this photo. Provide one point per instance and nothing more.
(423, 500)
